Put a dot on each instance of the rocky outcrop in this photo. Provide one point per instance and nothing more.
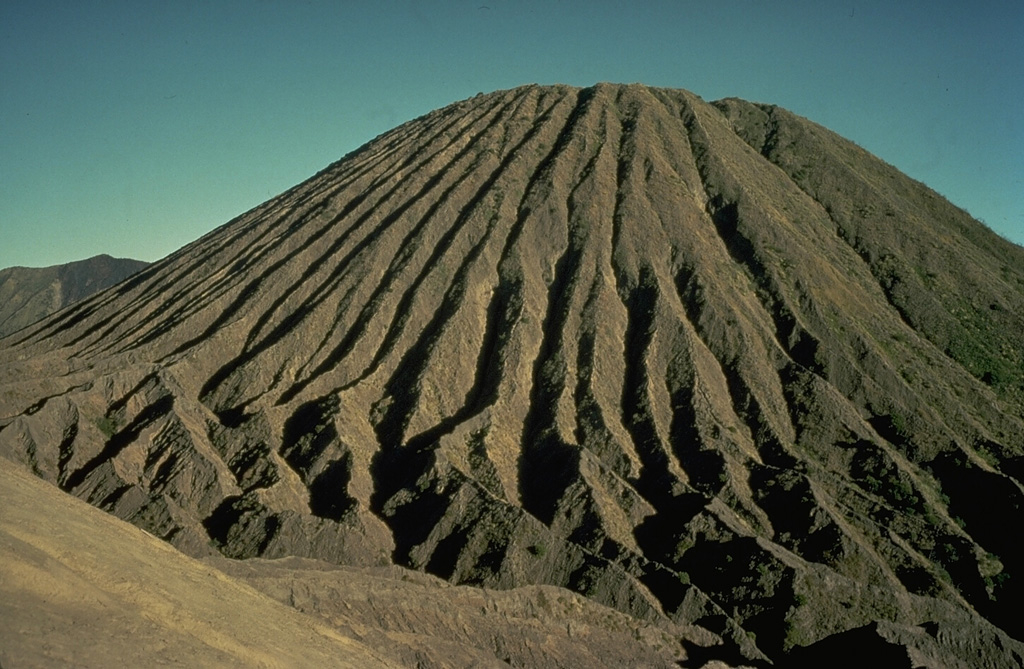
(709, 365)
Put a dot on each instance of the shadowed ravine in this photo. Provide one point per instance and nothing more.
(709, 363)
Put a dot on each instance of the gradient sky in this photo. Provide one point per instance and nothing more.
(133, 128)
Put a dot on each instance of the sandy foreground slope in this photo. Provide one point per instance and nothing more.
(123, 597)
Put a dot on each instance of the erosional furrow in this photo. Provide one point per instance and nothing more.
(760, 404)
(642, 305)
(180, 305)
(420, 353)
(408, 250)
(207, 255)
(546, 205)
(404, 387)
(308, 299)
(468, 137)
(399, 321)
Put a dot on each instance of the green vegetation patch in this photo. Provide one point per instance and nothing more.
(106, 425)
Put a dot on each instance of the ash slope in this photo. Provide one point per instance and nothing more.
(704, 362)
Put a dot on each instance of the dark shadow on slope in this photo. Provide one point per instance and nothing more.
(860, 647)
(991, 507)
(411, 521)
(328, 492)
(704, 467)
(308, 434)
(727, 653)
(641, 308)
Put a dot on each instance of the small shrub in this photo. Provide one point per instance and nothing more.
(106, 425)
(899, 424)
(791, 637)
(988, 456)
(997, 580)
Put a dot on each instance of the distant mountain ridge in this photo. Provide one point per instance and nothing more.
(28, 294)
(708, 364)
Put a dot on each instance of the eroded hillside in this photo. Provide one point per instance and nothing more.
(710, 364)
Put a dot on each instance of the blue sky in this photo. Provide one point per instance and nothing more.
(133, 128)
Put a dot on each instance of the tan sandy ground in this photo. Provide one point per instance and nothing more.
(124, 598)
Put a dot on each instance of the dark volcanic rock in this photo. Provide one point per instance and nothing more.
(705, 364)
(28, 294)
